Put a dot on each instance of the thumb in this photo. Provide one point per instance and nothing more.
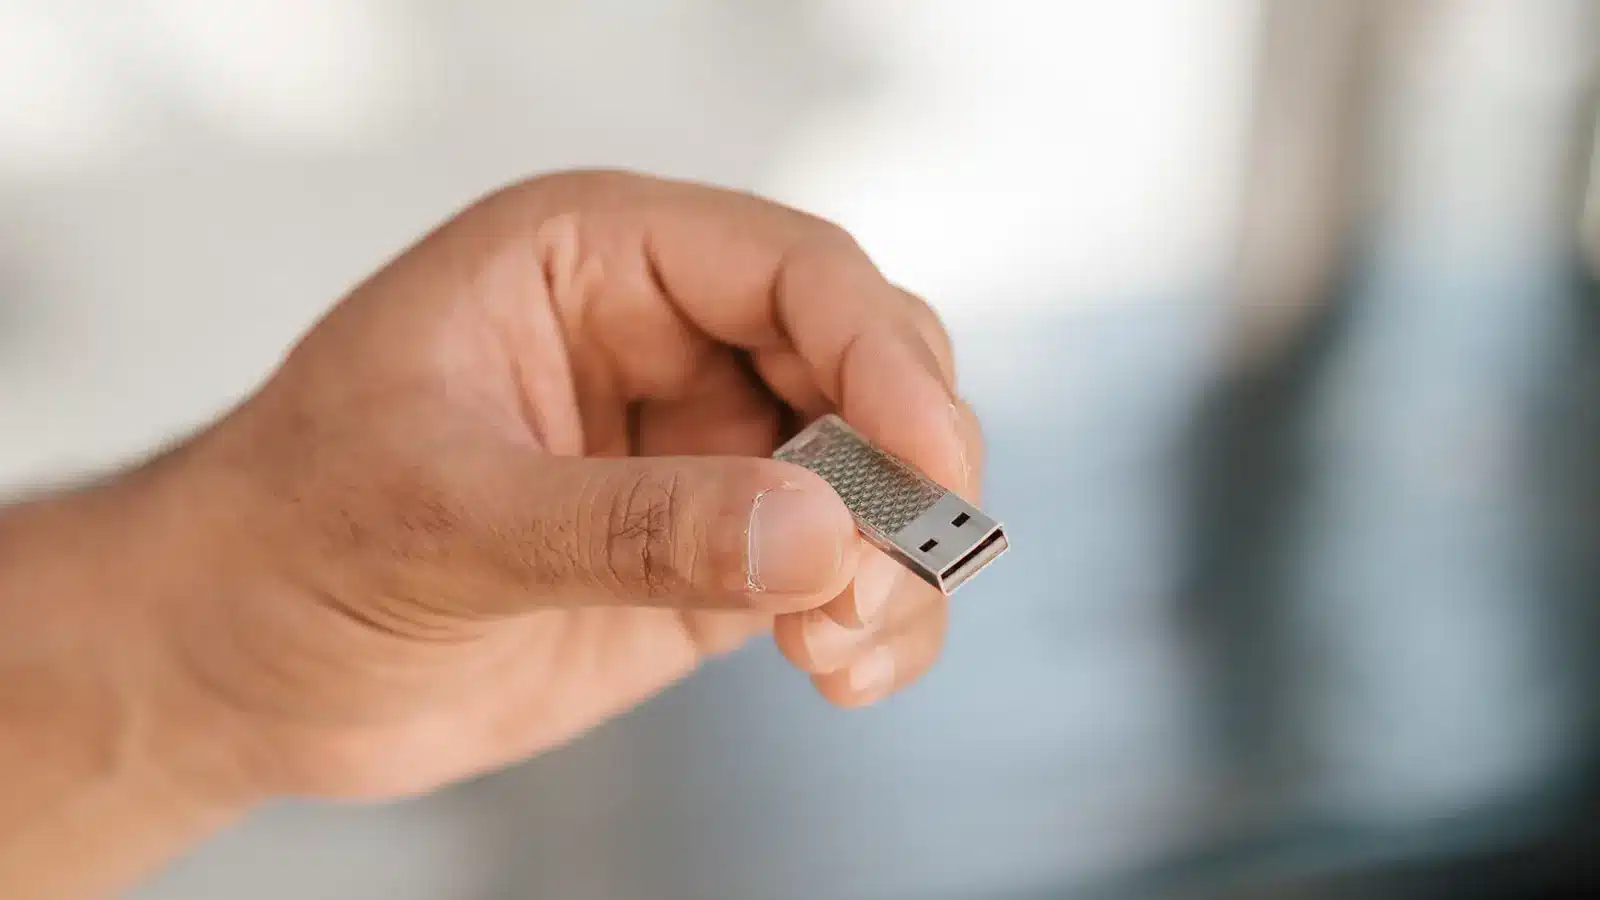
(686, 532)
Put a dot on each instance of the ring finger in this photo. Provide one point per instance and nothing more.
(816, 643)
(893, 663)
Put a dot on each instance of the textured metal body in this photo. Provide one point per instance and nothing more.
(881, 491)
(937, 535)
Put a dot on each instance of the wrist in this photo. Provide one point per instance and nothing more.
(94, 708)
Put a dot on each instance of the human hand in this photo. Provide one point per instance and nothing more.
(519, 480)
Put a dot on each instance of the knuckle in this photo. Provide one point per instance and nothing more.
(823, 238)
(830, 236)
(641, 553)
(921, 310)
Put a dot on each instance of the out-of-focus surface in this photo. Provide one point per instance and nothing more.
(1316, 618)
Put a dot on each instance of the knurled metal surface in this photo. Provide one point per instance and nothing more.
(877, 488)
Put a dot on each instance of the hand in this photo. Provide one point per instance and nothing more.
(518, 481)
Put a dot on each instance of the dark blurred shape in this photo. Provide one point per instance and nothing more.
(1396, 522)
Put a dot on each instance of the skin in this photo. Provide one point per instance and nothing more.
(511, 486)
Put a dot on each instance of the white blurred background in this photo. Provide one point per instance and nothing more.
(186, 184)
(1117, 206)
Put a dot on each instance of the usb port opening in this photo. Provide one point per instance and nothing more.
(973, 560)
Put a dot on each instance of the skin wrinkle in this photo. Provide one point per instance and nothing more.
(525, 402)
(702, 349)
(682, 563)
(586, 519)
(562, 543)
(781, 300)
(841, 364)
(566, 276)
(778, 302)
(645, 516)
(656, 527)
(930, 328)
(616, 530)
(784, 373)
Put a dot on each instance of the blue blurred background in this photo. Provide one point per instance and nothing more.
(1282, 317)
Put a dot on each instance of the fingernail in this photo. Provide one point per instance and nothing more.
(793, 544)
(961, 448)
(874, 583)
(874, 673)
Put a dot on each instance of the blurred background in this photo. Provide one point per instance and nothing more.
(1283, 318)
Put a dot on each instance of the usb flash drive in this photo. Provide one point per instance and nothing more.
(929, 530)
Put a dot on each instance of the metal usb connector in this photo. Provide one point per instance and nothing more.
(940, 537)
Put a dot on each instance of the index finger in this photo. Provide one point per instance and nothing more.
(757, 275)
